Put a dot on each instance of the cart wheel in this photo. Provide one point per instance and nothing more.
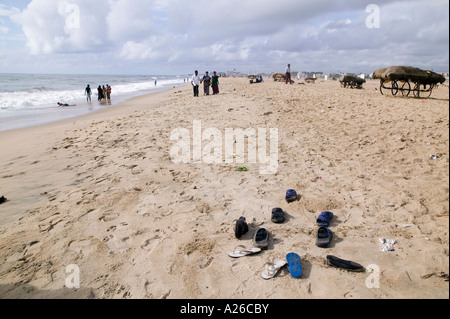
(422, 90)
(406, 88)
(426, 92)
(382, 87)
(394, 88)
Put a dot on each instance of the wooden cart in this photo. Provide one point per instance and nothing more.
(407, 81)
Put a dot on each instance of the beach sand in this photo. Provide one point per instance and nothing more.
(102, 193)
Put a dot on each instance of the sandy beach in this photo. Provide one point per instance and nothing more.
(101, 192)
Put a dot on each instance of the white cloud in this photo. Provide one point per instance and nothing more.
(54, 27)
(262, 33)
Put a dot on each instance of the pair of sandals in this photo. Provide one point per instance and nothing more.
(324, 234)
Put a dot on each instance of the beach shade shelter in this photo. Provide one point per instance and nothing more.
(407, 80)
(351, 81)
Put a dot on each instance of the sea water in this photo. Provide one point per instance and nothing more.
(31, 99)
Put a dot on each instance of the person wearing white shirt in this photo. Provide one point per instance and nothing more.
(288, 74)
(195, 80)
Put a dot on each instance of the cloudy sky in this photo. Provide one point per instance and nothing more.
(251, 36)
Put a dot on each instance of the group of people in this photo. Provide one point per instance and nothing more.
(207, 80)
(104, 93)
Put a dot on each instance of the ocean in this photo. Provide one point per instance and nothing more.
(31, 99)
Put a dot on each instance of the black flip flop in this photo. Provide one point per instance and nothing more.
(2, 199)
(241, 227)
(324, 236)
(261, 238)
(277, 215)
(345, 264)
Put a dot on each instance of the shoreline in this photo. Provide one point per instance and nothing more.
(51, 115)
(102, 193)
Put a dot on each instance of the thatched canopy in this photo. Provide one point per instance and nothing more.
(408, 73)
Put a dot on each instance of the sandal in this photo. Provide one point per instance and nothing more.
(241, 251)
(272, 269)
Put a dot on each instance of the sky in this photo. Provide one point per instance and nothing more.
(175, 37)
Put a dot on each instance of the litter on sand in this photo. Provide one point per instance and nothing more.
(387, 244)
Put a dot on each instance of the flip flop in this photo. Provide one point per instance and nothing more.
(294, 264)
(277, 215)
(324, 236)
(345, 264)
(241, 251)
(2, 199)
(261, 238)
(271, 270)
(291, 195)
(324, 218)
(242, 169)
(241, 227)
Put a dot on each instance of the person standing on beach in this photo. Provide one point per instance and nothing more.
(215, 83)
(288, 74)
(100, 93)
(195, 81)
(88, 93)
(206, 83)
(108, 93)
(104, 92)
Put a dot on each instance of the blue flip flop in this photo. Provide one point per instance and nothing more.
(324, 218)
(294, 264)
(291, 195)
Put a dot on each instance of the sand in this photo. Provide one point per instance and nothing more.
(101, 192)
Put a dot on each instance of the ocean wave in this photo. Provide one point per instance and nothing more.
(40, 97)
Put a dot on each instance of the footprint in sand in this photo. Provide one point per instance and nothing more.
(152, 242)
(84, 247)
(119, 239)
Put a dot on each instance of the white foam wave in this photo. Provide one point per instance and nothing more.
(38, 98)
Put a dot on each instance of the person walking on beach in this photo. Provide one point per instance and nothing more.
(206, 83)
(215, 83)
(195, 81)
(88, 93)
(288, 74)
